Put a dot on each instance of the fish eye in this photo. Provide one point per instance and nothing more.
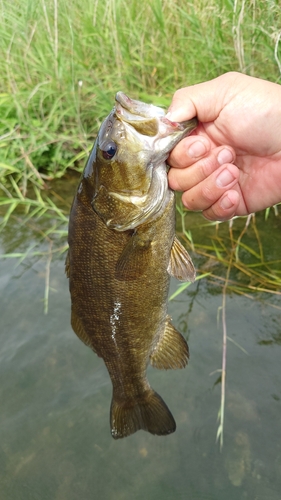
(109, 151)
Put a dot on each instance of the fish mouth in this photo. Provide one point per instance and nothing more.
(133, 111)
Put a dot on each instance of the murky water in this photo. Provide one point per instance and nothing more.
(55, 395)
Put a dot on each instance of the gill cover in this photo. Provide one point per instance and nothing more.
(131, 186)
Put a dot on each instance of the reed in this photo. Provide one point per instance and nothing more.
(62, 62)
(235, 257)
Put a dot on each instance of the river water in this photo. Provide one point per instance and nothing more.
(55, 392)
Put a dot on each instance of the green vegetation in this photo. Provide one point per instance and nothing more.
(236, 257)
(62, 62)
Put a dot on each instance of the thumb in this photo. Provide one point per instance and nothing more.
(204, 100)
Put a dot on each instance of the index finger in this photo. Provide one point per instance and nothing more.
(189, 150)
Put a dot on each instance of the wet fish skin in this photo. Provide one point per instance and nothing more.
(122, 251)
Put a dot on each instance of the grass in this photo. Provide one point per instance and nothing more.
(237, 257)
(62, 62)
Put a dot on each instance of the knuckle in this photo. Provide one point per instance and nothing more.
(208, 165)
(208, 194)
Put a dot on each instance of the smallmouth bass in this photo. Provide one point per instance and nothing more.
(122, 252)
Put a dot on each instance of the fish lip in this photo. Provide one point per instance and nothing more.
(186, 127)
(181, 126)
(133, 110)
(125, 101)
(137, 110)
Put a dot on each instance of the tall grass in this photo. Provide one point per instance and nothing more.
(236, 257)
(61, 63)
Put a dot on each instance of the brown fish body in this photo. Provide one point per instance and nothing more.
(119, 280)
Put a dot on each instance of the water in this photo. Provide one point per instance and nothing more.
(55, 396)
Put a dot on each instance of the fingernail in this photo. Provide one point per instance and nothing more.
(225, 156)
(174, 116)
(224, 178)
(226, 202)
(197, 149)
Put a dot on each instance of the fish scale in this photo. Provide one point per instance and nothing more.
(122, 251)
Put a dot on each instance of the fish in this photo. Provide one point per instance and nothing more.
(122, 252)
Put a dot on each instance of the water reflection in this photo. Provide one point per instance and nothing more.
(55, 397)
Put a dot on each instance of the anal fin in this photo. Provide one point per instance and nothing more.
(181, 265)
(171, 350)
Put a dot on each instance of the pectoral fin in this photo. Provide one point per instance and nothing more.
(133, 261)
(171, 350)
(181, 265)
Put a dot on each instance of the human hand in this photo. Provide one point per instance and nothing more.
(231, 164)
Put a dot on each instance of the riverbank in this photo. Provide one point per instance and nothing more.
(62, 63)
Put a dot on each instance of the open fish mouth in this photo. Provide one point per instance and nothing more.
(132, 111)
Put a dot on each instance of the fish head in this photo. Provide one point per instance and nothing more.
(127, 168)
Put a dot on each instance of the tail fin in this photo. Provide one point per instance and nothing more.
(149, 413)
